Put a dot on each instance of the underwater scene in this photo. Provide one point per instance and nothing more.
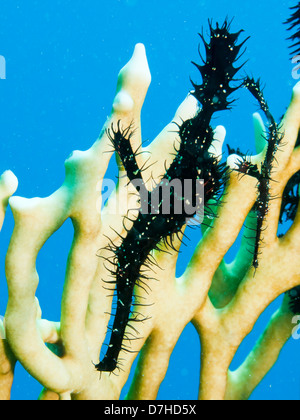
(149, 187)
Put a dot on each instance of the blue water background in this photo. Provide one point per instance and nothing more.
(62, 60)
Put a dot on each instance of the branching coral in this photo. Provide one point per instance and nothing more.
(222, 301)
